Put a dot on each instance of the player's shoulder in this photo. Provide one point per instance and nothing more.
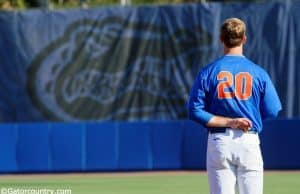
(211, 68)
(228, 62)
(212, 65)
(255, 68)
(206, 70)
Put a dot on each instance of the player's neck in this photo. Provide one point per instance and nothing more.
(233, 51)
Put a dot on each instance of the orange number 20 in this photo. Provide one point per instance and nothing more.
(242, 85)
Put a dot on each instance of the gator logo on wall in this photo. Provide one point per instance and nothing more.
(117, 69)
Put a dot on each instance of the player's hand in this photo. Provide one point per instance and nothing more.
(243, 124)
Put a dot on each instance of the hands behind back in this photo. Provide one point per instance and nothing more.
(243, 124)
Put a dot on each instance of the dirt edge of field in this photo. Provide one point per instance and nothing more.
(117, 174)
(99, 174)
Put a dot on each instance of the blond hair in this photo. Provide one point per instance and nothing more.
(232, 32)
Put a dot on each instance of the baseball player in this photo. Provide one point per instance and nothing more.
(231, 97)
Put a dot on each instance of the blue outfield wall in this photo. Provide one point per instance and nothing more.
(119, 146)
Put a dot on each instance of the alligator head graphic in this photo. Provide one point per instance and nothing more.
(116, 69)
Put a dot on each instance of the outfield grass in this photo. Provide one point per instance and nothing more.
(142, 183)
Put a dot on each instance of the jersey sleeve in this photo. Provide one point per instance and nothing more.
(196, 103)
(270, 102)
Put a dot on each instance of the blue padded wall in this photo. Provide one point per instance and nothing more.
(33, 147)
(194, 144)
(134, 146)
(101, 146)
(8, 147)
(67, 146)
(280, 142)
(119, 146)
(166, 143)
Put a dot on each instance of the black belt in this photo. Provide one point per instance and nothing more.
(223, 130)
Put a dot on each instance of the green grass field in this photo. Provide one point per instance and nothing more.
(140, 183)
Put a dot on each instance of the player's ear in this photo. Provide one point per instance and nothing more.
(244, 39)
(221, 39)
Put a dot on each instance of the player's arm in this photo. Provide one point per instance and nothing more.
(209, 120)
(197, 112)
(234, 123)
(196, 103)
(270, 102)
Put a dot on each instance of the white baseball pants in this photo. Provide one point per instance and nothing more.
(234, 163)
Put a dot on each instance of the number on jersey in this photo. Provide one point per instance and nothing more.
(242, 83)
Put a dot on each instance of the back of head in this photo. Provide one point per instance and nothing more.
(232, 32)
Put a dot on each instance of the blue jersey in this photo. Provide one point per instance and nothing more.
(233, 86)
